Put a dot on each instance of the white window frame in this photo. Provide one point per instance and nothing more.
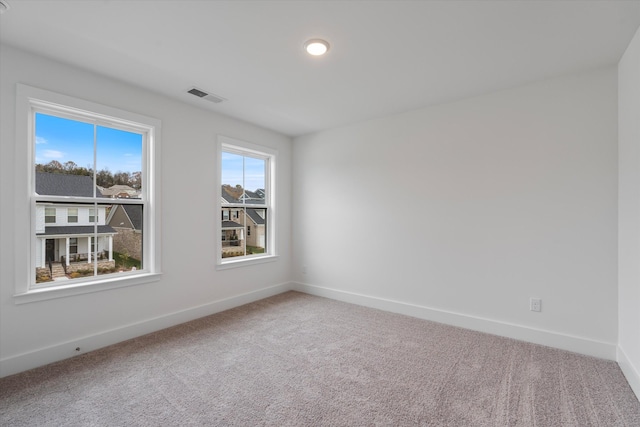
(30, 100)
(237, 146)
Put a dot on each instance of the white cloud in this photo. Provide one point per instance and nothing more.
(53, 154)
(40, 140)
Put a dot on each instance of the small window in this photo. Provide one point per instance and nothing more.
(92, 215)
(72, 215)
(73, 245)
(246, 182)
(50, 215)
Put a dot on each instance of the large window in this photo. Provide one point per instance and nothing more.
(82, 158)
(246, 199)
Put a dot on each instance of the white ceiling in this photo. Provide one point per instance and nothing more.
(386, 56)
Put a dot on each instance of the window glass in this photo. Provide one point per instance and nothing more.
(92, 164)
(245, 202)
(72, 215)
(50, 215)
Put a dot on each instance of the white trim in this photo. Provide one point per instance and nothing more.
(80, 287)
(256, 259)
(22, 362)
(601, 349)
(631, 373)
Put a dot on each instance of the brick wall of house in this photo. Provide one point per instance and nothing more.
(128, 241)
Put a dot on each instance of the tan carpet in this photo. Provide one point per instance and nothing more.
(300, 360)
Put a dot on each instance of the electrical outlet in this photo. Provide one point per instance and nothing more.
(535, 304)
(304, 269)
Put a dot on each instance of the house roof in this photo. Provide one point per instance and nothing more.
(228, 198)
(59, 184)
(231, 224)
(255, 197)
(119, 190)
(255, 217)
(134, 212)
(76, 230)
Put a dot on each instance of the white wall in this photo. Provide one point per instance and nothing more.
(629, 214)
(462, 212)
(36, 333)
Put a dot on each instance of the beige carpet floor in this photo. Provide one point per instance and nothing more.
(301, 360)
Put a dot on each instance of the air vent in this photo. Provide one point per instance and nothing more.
(204, 95)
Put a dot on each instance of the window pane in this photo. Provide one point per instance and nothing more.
(50, 215)
(233, 235)
(254, 178)
(72, 215)
(119, 162)
(127, 221)
(256, 231)
(63, 148)
(246, 235)
(110, 245)
(232, 178)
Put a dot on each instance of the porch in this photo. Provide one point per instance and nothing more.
(62, 270)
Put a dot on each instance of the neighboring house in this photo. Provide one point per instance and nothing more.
(240, 230)
(256, 228)
(127, 221)
(120, 192)
(232, 229)
(66, 231)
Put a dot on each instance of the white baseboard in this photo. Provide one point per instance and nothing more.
(630, 372)
(572, 343)
(22, 362)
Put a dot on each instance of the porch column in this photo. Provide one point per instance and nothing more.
(43, 252)
(66, 244)
(89, 250)
(110, 248)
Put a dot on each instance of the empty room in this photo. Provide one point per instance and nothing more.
(319, 213)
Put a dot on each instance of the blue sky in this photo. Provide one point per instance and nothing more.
(70, 140)
(232, 171)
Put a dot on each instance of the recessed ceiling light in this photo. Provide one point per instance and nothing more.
(4, 6)
(316, 47)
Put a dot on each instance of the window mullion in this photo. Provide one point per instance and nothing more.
(94, 258)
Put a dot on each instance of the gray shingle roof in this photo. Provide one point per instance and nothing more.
(228, 197)
(59, 184)
(250, 197)
(231, 224)
(76, 230)
(134, 212)
(255, 217)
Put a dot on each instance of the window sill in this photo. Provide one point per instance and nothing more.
(64, 291)
(225, 265)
